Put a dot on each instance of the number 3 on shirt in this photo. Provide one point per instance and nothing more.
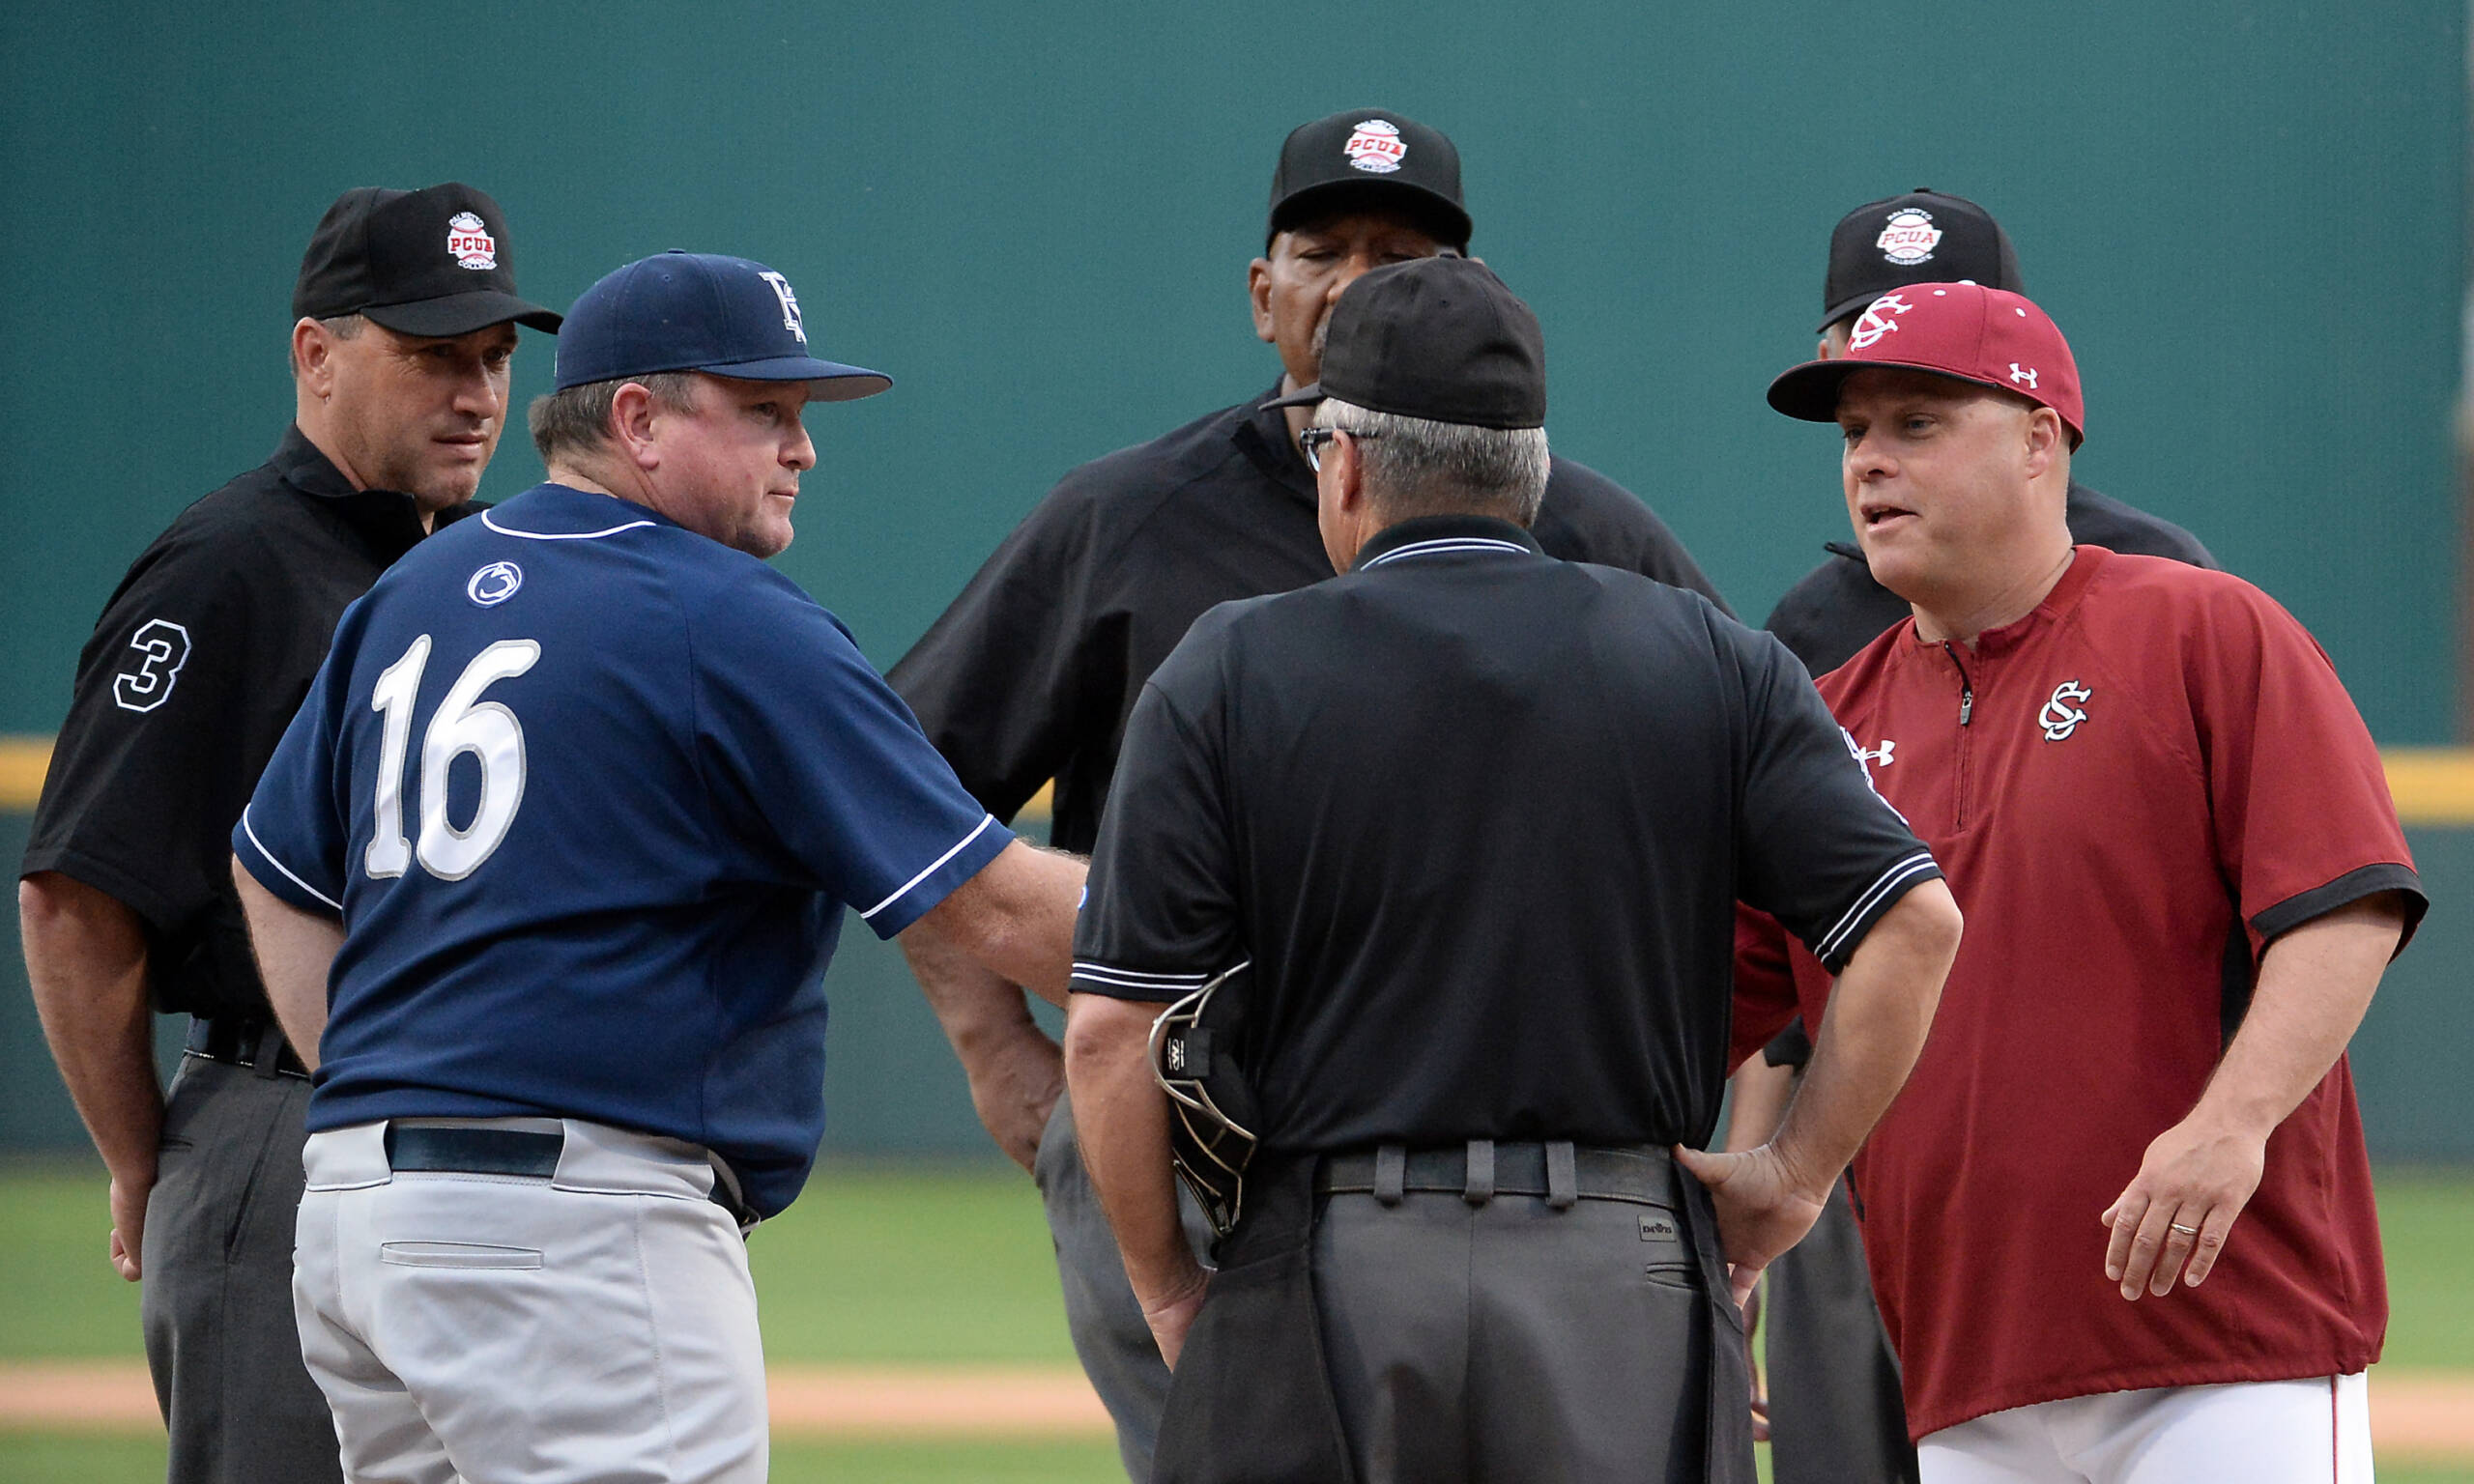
(464, 724)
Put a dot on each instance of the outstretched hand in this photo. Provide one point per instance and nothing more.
(1763, 1207)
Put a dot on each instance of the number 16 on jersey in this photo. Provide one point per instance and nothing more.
(464, 723)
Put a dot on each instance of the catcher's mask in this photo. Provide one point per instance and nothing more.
(1209, 1138)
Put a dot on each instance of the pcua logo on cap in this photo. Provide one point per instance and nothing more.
(1375, 146)
(471, 242)
(1909, 238)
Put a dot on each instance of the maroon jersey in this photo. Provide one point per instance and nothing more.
(2132, 790)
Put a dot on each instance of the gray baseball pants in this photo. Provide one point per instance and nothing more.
(1109, 1335)
(216, 1305)
(595, 1326)
(1835, 1414)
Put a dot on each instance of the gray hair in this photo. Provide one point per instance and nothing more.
(1418, 467)
(577, 420)
(343, 326)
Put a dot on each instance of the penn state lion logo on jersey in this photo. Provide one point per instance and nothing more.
(2062, 714)
(494, 584)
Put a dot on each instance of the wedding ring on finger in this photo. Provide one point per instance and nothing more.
(2187, 1231)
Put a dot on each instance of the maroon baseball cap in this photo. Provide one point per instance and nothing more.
(1963, 331)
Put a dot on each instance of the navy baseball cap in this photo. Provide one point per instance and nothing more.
(695, 311)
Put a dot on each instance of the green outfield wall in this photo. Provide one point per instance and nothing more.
(2249, 218)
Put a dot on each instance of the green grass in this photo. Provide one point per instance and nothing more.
(898, 1266)
(2427, 1228)
(42, 1458)
(886, 1265)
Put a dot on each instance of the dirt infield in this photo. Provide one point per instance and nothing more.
(2414, 1415)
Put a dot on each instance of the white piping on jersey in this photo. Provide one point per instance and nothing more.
(985, 820)
(1135, 978)
(1921, 861)
(560, 535)
(1450, 546)
(279, 866)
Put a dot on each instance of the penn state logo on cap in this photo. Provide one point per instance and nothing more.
(1375, 146)
(470, 240)
(790, 304)
(1909, 238)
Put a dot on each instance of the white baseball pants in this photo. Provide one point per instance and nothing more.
(2276, 1432)
(597, 1325)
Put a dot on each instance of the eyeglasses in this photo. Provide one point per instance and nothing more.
(1311, 442)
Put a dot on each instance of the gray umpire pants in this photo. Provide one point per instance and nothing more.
(1512, 1341)
(216, 1305)
(1835, 1414)
(1111, 1337)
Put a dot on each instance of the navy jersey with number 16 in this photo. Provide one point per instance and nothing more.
(589, 793)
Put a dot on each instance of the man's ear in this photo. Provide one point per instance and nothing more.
(1348, 468)
(1259, 294)
(633, 410)
(2047, 440)
(313, 350)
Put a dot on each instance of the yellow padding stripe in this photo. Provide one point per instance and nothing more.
(2433, 785)
(23, 761)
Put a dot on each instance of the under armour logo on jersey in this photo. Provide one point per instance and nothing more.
(494, 584)
(2025, 378)
(1875, 322)
(164, 648)
(790, 304)
(1879, 757)
(2060, 717)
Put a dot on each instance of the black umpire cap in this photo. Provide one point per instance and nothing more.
(1437, 338)
(427, 262)
(1376, 156)
(1922, 237)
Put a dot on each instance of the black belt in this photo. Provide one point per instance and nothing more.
(435, 1149)
(1483, 1169)
(257, 1044)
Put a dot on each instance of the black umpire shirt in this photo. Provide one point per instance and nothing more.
(1837, 609)
(201, 656)
(1478, 820)
(1031, 674)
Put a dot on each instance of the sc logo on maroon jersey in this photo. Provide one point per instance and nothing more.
(2060, 718)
